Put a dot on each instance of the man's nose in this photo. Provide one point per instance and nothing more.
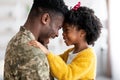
(56, 34)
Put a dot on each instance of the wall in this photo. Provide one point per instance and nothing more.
(115, 38)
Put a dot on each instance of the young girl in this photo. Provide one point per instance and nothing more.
(81, 28)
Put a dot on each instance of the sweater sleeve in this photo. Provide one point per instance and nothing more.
(79, 67)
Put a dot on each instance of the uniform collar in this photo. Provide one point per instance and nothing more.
(27, 32)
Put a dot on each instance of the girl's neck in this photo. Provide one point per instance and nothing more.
(80, 47)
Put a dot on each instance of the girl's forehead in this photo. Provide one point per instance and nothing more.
(66, 25)
(69, 28)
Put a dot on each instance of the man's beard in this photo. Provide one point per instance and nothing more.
(42, 42)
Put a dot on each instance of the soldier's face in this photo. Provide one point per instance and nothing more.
(51, 30)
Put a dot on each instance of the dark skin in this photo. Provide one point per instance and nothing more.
(33, 26)
(72, 36)
(79, 47)
(44, 27)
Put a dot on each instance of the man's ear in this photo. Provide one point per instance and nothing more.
(45, 18)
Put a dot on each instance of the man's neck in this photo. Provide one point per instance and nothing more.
(32, 26)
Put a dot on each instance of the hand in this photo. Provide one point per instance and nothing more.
(38, 45)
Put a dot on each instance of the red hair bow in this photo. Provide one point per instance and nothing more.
(76, 6)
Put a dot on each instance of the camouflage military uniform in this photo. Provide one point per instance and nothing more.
(24, 62)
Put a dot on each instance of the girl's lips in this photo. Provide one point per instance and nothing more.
(64, 38)
(66, 43)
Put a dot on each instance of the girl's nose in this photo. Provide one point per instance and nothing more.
(63, 34)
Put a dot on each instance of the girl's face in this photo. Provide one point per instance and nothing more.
(71, 35)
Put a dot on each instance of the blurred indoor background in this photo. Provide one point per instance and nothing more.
(13, 14)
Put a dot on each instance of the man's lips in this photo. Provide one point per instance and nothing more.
(52, 37)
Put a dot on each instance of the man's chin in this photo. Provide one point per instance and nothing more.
(44, 42)
(46, 45)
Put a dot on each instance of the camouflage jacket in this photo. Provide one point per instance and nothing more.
(24, 62)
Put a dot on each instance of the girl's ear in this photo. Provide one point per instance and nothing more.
(82, 33)
(45, 18)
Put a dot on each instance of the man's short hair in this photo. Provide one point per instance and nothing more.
(50, 6)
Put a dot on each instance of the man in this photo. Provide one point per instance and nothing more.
(24, 62)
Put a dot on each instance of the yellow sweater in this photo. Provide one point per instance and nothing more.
(82, 67)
